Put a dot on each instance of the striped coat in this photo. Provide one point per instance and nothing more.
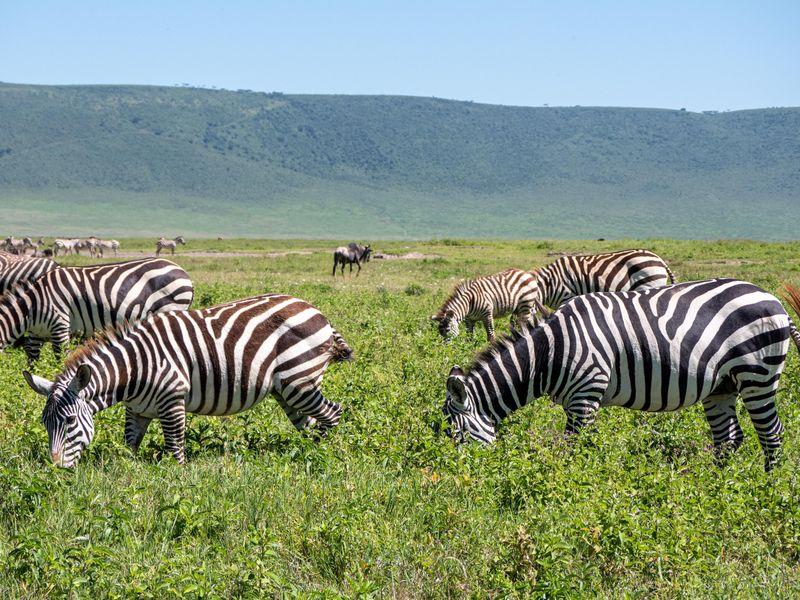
(216, 361)
(571, 276)
(480, 300)
(706, 342)
(16, 269)
(82, 300)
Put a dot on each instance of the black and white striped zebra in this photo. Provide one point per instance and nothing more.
(622, 271)
(82, 300)
(480, 300)
(215, 361)
(16, 269)
(102, 245)
(171, 245)
(654, 350)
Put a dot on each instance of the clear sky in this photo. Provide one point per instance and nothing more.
(701, 55)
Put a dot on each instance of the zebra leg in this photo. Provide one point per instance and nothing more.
(334, 267)
(172, 414)
(33, 348)
(725, 430)
(581, 412)
(307, 400)
(59, 337)
(135, 427)
(759, 400)
(300, 422)
(488, 324)
(470, 327)
(358, 264)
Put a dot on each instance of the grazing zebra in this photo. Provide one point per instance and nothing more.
(611, 272)
(16, 269)
(654, 350)
(102, 245)
(66, 246)
(15, 245)
(72, 300)
(510, 291)
(163, 243)
(216, 361)
(352, 253)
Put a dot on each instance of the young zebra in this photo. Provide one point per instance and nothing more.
(16, 269)
(72, 300)
(163, 243)
(510, 291)
(611, 272)
(352, 253)
(654, 350)
(215, 361)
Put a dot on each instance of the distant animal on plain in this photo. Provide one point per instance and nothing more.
(215, 361)
(164, 243)
(482, 299)
(350, 254)
(656, 350)
(622, 271)
(102, 245)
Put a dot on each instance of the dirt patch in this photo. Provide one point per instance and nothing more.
(406, 256)
(210, 254)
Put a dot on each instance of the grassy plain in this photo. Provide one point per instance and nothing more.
(383, 507)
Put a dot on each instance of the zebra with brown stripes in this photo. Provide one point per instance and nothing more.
(482, 299)
(16, 269)
(81, 300)
(622, 271)
(216, 361)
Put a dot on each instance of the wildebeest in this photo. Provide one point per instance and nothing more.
(352, 253)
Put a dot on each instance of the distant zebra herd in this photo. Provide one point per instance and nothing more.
(587, 331)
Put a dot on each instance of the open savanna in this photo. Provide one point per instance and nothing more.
(382, 506)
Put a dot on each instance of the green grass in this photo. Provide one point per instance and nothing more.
(383, 506)
(391, 167)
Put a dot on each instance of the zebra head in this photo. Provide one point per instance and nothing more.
(447, 323)
(68, 419)
(462, 416)
(367, 253)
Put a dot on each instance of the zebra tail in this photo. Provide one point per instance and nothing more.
(670, 274)
(339, 349)
(792, 296)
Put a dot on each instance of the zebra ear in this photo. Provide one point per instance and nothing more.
(456, 388)
(82, 377)
(40, 385)
(436, 318)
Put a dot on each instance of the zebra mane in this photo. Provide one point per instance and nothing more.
(459, 289)
(498, 345)
(100, 339)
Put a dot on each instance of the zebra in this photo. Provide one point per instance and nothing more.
(610, 272)
(66, 246)
(72, 300)
(511, 291)
(656, 350)
(102, 245)
(16, 269)
(215, 361)
(170, 244)
(16, 245)
(352, 253)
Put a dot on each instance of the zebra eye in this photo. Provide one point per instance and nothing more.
(72, 419)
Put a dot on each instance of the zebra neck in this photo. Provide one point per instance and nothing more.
(510, 377)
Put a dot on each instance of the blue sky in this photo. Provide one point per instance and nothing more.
(698, 55)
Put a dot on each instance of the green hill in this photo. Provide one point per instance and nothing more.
(133, 160)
